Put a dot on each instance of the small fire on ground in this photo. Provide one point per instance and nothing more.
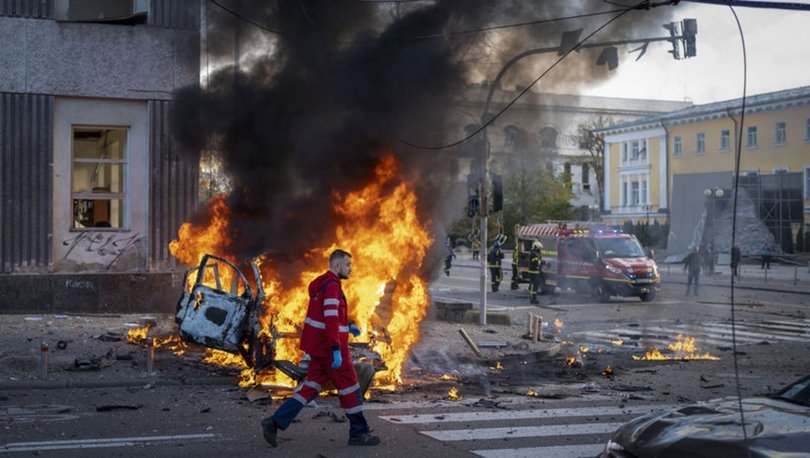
(683, 349)
(453, 395)
(140, 336)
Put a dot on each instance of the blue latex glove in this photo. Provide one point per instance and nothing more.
(354, 329)
(337, 360)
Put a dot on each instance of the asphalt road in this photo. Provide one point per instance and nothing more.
(571, 414)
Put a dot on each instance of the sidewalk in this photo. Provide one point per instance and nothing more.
(778, 278)
(91, 351)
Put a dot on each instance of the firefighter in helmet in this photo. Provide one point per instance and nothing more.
(494, 261)
(535, 264)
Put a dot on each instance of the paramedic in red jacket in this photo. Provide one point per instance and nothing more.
(326, 339)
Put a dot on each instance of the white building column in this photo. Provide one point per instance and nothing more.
(663, 177)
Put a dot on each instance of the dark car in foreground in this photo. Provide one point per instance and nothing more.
(776, 426)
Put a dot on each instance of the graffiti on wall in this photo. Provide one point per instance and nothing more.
(100, 247)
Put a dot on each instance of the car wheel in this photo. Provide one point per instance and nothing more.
(600, 293)
(648, 296)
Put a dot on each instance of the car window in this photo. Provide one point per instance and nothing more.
(619, 248)
(798, 393)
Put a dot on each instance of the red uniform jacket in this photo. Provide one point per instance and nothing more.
(326, 327)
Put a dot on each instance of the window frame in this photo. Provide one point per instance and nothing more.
(777, 135)
(725, 140)
(124, 162)
(749, 132)
(700, 143)
(677, 146)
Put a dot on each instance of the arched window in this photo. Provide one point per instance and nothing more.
(514, 139)
(548, 137)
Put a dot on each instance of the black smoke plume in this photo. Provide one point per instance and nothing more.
(325, 87)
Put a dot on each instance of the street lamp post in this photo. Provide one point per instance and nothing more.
(711, 195)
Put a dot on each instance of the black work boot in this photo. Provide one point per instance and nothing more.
(364, 439)
(269, 429)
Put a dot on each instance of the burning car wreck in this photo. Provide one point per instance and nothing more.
(229, 320)
(776, 426)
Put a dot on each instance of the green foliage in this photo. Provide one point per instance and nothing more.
(534, 196)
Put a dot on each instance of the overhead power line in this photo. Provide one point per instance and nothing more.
(756, 4)
(248, 20)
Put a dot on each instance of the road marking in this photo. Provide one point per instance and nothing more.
(522, 431)
(522, 414)
(560, 451)
(97, 443)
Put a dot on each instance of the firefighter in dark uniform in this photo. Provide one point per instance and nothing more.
(494, 261)
(535, 264)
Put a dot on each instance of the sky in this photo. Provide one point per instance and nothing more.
(776, 46)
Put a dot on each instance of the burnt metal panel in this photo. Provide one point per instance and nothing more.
(26, 154)
(175, 14)
(39, 9)
(173, 184)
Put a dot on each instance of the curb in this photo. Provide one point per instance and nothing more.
(56, 385)
(786, 288)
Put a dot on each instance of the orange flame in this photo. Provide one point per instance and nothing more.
(607, 372)
(684, 349)
(387, 298)
(453, 395)
(448, 377)
(533, 393)
(497, 367)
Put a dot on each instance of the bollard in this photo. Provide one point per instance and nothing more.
(538, 328)
(43, 360)
(530, 316)
(150, 356)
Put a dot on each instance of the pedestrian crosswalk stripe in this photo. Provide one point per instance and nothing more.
(709, 333)
(522, 431)
(779, 334)
(559, 451)
(522, 414)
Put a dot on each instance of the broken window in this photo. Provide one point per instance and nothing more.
(98, 177)
(127, 12)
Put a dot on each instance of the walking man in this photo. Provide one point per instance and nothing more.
(766, 256)
(476, 248)
(494, 260)
(736, 257)
(326, 339)
(448, 256)
(692, 262)
(535, 263)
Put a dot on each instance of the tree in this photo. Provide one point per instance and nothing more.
(593, 143)
(534, 196)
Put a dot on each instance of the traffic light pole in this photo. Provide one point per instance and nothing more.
(484, 209)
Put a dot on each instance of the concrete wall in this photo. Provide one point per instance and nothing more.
(96, 60)
(99, 293)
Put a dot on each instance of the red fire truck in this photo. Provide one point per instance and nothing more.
(589, 258)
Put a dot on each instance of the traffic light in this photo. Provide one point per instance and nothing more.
(683, 38)
(689, 27)
(497, 193)
(472, 205)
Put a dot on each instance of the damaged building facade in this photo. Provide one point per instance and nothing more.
(541, 129)
(678, 168)
(93, 187)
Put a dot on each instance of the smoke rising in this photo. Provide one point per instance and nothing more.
(317, 103)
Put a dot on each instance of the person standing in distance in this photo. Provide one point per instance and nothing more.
(692, 263)
(326, 339)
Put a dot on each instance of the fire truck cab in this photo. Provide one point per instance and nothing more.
(589, 258)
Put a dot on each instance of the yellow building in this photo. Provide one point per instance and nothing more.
(674, 167)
